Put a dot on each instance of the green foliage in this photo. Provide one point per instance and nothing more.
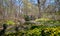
(42, 19)
(33, 27)
(10, 22)
(34, 32)
(37, 30)
(27, 18)
(47, 21)
(50, 31)
(42, 31)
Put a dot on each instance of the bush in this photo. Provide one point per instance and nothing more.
(44, 32)
(10, 22)
(50, 31)
(47, 21)
(27, 18)
(36, 31)
(33, 27)
(42, 19)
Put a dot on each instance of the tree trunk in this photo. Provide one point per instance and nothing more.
(39, 15)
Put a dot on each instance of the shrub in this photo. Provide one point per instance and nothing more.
(27, 18)
(45, 31)
(47, 21)
(33, 27)
(50, 31)
(42, 19)
(34, 32)
(10, 22)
